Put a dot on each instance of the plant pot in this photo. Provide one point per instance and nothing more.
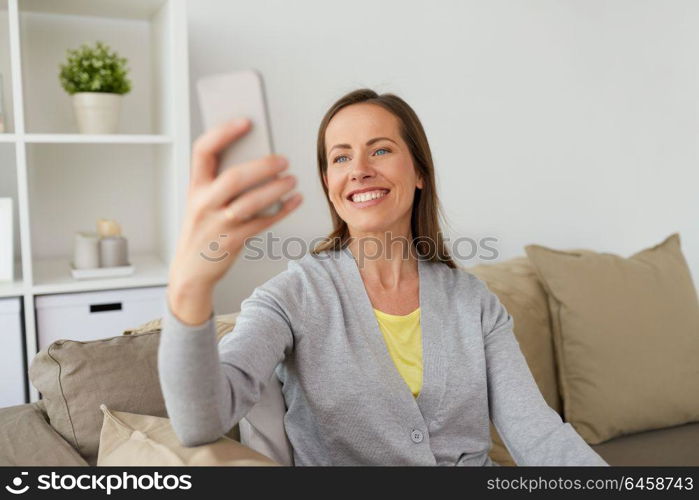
(97, 112)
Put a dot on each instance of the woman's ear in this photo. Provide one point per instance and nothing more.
(419, 184)
(325, 180)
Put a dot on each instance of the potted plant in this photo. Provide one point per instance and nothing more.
(97, 79)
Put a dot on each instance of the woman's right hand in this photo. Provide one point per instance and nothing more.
(219, 219)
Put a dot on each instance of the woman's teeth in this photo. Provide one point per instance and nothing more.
(370, 195)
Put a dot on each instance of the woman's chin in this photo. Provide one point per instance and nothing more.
(375, 220)
(360, 225)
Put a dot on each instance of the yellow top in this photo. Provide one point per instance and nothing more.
(403, 338)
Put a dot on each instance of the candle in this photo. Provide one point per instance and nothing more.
(86, 250)
(113, 251)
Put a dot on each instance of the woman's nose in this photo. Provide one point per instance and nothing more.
(361, 169)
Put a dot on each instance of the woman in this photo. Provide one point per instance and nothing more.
(387, 352)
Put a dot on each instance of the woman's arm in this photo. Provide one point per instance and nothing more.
(208, 386)
(532, 431)
(206, 394)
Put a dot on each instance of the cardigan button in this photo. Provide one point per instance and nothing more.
(416, 436)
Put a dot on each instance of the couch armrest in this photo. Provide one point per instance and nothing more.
(26, 438)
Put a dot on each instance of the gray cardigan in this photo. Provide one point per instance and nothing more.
(313, 325)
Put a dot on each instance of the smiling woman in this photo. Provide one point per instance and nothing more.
(382, 360)
(375, 164)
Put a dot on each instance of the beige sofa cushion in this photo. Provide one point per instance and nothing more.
(517, 286)
(676, 446)
(74, 378)
(129, 439)
(27, 439)
(626, 333)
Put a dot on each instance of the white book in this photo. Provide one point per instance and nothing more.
(6, 241)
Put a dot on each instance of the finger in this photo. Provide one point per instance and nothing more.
(252, 202)
(262, 222)
(233, 181)
(209, 145)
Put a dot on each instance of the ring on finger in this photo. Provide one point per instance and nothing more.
(232, 214)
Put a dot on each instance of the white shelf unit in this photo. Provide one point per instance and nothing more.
(62, 181)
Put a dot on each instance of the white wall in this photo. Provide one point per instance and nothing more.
(568, 123)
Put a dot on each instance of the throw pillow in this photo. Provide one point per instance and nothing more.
(75, 377)
(129, 439)
(626, 336)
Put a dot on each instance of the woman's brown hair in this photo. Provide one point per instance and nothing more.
(426, 233)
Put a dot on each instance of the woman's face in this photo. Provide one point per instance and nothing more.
(370, 178)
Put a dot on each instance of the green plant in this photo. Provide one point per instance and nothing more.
(94, 69)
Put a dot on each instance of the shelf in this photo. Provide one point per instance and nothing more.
(62, 181)
(86, 138)
(125, 9)
(53, 276)
(97, 139)
(13, 288)
(71, 186)
(49, 29)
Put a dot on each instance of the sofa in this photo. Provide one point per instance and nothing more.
(35, 434)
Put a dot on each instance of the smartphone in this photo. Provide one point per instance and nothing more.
(240, 94)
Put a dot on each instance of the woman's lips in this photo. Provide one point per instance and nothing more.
(369, 203)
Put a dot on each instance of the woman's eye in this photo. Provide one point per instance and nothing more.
(344, 158)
